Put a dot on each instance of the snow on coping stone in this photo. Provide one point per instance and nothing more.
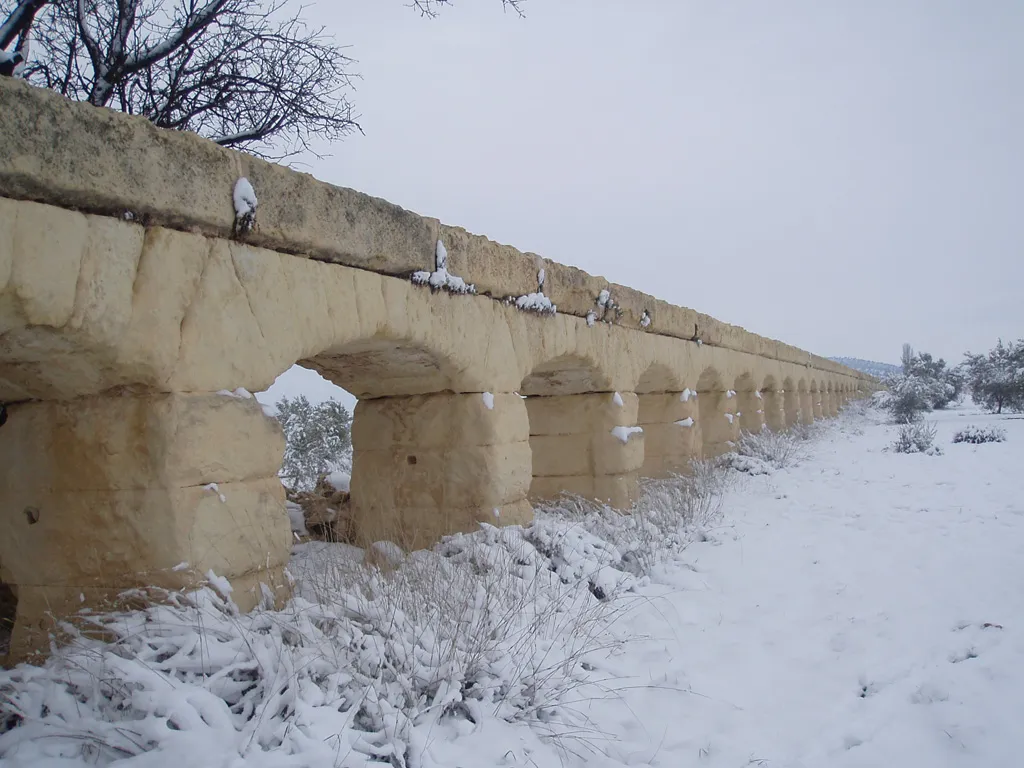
(687, 422)
(645, 319)
(686, 394)
(618, 400)
(488, 399)
(536, 302)
(624, 433)
(730, 393)
(591, 318)
(241, 393)
(440, 278)
(244, 197)
(729, 416)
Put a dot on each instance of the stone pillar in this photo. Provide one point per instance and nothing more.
(791, 407)
(719, 426)
(806, 407)
(106, 493)
(588, 445)
(816, 405)
(774, 409)
(425, 466)
(833, 404)
(671, 435)
(750, 410)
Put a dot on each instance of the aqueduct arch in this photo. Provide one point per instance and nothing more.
(136, 313)
(773, 405)
(790, 402)
(716, 409)
(749, 405)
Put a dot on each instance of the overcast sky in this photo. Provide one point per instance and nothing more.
(844, 176)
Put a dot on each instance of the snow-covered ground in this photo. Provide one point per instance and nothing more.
(864, 608)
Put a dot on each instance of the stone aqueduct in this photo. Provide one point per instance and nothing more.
(130, 304)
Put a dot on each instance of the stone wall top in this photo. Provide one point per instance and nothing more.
(73, 155)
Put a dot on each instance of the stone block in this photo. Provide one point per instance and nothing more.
(579, 414)
(73, 155)
(432, 421)
(611, 456)
(142, 442)
(561, 455)
(496, 270)
(467, 476)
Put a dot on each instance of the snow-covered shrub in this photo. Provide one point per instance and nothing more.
(916, 437)
(661, 522)
(748, 465)
(359, 669)
(778, 450)
(978, 435)
(907, 399)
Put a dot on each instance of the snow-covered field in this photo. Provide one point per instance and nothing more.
(864, 608)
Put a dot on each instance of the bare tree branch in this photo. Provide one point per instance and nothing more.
(19, 20)
(245, 73)
(430, 8)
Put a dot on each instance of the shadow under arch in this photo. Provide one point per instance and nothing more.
(372, 368)
(806, 402)
(749, 408)
(715, 418)
(790, 402)
(565, 375)
(572, 412)
(772, 404)
(816, 409)
(658, 377)
(666, 413)
(428, 460)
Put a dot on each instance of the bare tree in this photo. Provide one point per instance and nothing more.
(243, 73)
(247, 74)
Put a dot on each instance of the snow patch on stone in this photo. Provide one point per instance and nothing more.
(624, 433)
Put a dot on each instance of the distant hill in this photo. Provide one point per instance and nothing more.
(870, 367)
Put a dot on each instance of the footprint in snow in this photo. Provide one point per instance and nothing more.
(956, 658)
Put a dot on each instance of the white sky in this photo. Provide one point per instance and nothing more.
(844, 176)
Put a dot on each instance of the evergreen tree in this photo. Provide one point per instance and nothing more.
(997, 379)
(318, 440)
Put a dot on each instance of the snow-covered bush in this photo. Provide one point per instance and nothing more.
(661, 522)
(359, 669)
(907, 399)
(916, 437)
(317, 440)
(778, 450)
(978, 435)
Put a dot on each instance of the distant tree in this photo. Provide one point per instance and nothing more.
(318, 440)
(944, 385)
(997, 378)
(923, 384)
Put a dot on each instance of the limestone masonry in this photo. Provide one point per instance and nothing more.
(130, 303)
